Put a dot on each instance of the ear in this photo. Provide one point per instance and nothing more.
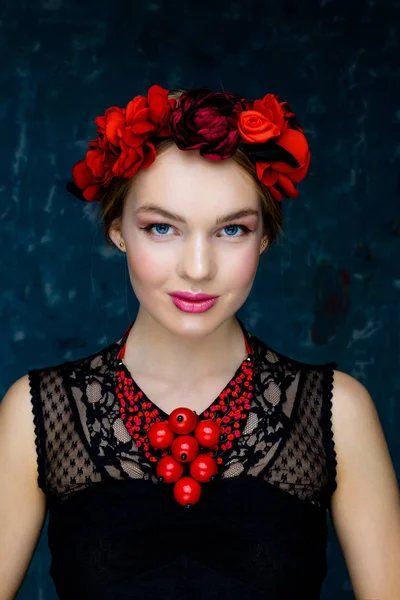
(115, 233)
(264, 244)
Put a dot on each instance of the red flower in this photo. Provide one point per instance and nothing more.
(122, 145)
(264, 121)
(270, 121)
(207, 121)
(92, 174)
(280, 176)
(111, 124)
(215, 123)
(131, 159)
(148, 116)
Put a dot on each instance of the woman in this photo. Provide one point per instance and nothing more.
(189, 459)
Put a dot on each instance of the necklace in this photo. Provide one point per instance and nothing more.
(186, 449)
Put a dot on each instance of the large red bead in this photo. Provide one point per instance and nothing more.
(187, 491)
(160, 435)
(207, 433)
(203, 467)
(182, 420)
(185, 448)
(169, 469)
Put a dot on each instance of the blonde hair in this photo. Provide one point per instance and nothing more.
(112, 205)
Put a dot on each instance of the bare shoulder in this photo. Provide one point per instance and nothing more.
(17, 400)
(22, 502)
(357, 429)
(352, 407)
(355, 422)
(18, 393)
(16, 419)
(365, 507)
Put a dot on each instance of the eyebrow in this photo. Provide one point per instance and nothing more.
(154, 209)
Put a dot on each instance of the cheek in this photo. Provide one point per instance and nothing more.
(244, 268)
(145, 268)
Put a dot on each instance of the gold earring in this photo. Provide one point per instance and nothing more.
(122, 243)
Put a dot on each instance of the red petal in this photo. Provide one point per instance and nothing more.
(296, 143)
(131, 139)
(276, 194)
(266, 174)
(135, 105)
(149, 154)
(286, 186)
(142, 128)
(157, 90)
(82, 175)
(100, 122)
(92, 193)
(115, 124)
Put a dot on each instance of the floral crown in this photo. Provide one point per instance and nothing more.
(215, 123)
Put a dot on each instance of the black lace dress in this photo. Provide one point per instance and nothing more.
(116, 533)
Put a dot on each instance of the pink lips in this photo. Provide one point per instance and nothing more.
(191, 296)
(193, 303)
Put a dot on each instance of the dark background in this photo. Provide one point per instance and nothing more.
(329, 291)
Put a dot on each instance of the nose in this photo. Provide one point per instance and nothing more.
(198, 260)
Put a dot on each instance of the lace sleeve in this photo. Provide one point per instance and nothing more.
(38, 421)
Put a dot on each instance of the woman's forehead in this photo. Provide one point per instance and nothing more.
(185, 175)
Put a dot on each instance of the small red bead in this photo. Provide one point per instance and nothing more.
(160, 435)
(185, 448)
(182, 420)
(187, 491)
(169, 469)
(207, 433)
(203, 467)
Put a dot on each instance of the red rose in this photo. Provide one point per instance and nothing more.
(265, 120)
(256, 128)
(207, 121)
(271, 122)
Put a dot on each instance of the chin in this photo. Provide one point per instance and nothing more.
(188, 325)
(200, 324)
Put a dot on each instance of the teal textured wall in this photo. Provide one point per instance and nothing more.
(329, 291)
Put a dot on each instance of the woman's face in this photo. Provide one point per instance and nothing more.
(198, 248)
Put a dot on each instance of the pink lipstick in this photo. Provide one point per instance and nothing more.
(193, 303)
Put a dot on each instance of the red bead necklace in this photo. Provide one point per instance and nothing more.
(182, 440)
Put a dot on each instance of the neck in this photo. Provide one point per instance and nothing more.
(152, 348)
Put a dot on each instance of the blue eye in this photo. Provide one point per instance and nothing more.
(159, 226)
(245, 230)
(233, 226)
(148, 229)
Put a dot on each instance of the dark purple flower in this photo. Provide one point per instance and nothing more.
(207, 121)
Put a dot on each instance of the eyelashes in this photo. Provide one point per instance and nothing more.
(245, 230)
